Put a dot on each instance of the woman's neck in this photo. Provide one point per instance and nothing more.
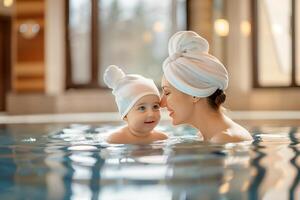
(209, 122)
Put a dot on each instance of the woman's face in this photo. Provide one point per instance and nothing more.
(179, 104)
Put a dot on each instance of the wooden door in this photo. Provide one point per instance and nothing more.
(2, 95)
(5, 58)
(28, 74)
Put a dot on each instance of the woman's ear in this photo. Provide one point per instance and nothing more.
(195, 99)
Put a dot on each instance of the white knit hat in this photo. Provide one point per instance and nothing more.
(190, 68)
(128, 88)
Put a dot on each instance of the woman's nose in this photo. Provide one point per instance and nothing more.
(163, 101)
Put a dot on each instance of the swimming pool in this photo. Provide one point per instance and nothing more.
(59, 161)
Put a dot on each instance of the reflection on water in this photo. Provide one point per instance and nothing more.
(75, 162)
(293, 145)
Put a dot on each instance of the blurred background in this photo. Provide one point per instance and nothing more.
(53, 52)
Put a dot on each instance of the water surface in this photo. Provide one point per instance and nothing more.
(58, 161)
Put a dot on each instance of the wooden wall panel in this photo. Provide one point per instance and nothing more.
(29, 64)
(31, 50)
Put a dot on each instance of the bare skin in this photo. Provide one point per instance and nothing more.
(141, 121)
(213, 125)
(125, 136)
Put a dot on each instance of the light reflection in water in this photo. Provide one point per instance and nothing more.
(62, 164)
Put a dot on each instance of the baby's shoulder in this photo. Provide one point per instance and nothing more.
(117, 136)
(159, 135)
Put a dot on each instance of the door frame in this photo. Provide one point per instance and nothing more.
(5, 58)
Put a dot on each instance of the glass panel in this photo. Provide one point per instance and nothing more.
(297, 43)
(134, 34)
(274, 43)
(80, 40)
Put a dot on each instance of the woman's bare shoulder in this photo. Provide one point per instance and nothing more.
(232, 135)
(225, 138)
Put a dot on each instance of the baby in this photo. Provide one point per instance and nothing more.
(138, 101)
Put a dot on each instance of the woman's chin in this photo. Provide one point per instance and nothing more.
(178, 121)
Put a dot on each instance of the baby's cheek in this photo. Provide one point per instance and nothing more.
(158, 115)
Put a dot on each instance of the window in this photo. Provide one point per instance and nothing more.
(275, 47)
(132, 34)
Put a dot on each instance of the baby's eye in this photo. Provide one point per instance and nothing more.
(142, 108)
(156, 107)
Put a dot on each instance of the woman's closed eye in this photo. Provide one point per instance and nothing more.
(166, 93)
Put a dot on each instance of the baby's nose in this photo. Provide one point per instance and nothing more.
(150, 112)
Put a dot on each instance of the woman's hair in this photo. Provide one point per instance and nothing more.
(216, 99)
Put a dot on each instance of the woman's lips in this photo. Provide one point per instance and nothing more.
(171, 112)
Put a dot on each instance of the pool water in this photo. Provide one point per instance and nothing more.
(57, 161)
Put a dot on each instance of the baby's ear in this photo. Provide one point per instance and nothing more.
(125, 118)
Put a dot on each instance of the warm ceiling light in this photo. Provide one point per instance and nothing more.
(158, 27)
(8, 3)
(147, 37)
(245, 28)
(221, 27)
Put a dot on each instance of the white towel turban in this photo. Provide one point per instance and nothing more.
(128, 88)
(190, 68)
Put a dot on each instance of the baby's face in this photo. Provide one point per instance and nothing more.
(144, 115)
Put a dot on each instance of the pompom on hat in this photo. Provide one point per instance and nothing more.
(190, 68)
(128, 88)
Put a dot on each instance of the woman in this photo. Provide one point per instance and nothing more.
(193, 89)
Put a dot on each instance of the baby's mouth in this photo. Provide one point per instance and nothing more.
(149, 122)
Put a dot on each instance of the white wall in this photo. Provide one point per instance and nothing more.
(55, 47)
